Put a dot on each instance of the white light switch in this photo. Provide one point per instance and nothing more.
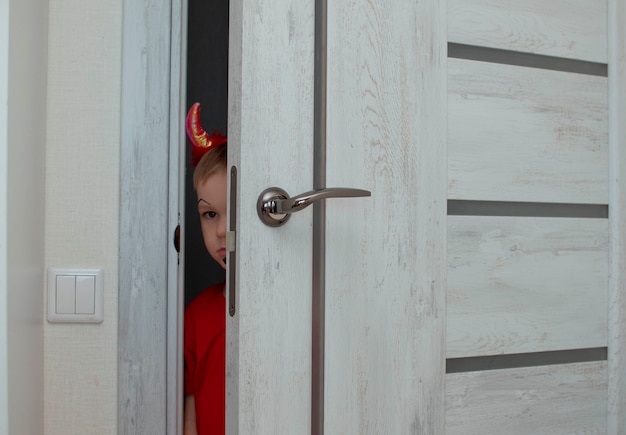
(66, 291)
(85, 294)
(75, 295)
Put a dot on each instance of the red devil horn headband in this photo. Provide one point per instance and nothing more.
(201, 141)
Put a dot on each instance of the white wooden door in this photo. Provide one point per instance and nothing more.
(484, 248)
(384, 262)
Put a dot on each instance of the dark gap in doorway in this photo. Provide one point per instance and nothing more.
(207, 83)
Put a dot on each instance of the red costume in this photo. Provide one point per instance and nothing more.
(205, 359)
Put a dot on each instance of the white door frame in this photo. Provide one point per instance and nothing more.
(617, 214)
(150, 306)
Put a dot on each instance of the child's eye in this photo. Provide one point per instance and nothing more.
(209, 214)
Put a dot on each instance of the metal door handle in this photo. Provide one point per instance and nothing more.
(274, 205)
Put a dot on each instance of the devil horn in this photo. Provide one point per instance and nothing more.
(201, 141)
(197, 135)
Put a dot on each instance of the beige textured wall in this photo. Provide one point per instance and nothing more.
(82, 207)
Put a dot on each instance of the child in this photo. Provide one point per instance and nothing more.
(205, 316)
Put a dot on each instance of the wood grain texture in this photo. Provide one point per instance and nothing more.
(385, 268)
(526, 284)
(550, 400)
(143, 263)
(524, 134)
(617, 216)
(574, 29)
(270, 142)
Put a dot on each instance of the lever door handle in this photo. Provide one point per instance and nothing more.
(275, 206)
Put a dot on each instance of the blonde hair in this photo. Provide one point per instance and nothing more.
(213, 161)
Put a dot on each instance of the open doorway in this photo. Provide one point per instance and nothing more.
(207, 83)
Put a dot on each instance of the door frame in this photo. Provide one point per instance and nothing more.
(616, 355)
(151, 307)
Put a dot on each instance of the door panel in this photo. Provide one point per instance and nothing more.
(520, 284)
(550, 400)
(385, 281)
(270, 143)
(561, 28)
(526, 134)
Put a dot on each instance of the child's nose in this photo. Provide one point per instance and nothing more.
(221, 228)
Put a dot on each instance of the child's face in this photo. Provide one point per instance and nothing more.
(212, 210)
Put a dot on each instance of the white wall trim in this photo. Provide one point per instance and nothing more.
(23, 79)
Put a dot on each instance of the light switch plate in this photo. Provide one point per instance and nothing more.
(75, 295)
